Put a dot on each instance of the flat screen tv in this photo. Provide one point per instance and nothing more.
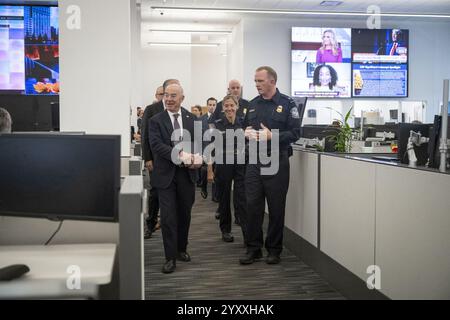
(321, 62)
(380, 63)
(345, 62)
(29, 50)
(59, 176)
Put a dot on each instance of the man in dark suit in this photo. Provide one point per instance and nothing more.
(397, 47)
(176, 157)
(150, 111)
(211, 104)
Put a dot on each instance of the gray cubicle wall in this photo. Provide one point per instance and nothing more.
(371, 214)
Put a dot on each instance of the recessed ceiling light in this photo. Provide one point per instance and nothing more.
(183, 44)
(193, 31)
(330, 3)
(293, 12)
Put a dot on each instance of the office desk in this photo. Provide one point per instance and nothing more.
(50, 270)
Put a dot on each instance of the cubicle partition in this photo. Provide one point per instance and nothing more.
(115, 268)
(371, 216)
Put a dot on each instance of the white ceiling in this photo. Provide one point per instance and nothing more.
(403, 6)
(207, 20)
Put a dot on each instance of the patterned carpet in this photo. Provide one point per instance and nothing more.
(215, 272)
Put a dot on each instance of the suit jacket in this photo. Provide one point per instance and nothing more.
(149, 112)
(159, 134)
(204, 120)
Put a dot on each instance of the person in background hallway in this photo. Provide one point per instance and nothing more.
(174, 173)
(234, 89)
(159, 94)
(150, 111)
(140, 114)
(5, 121)
(227, 173)
(197, 112)
(211, 103)
(268, 111)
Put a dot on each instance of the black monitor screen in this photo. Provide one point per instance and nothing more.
(301, 106)
(60, 176)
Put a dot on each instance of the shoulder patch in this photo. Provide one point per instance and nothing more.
(294, 113)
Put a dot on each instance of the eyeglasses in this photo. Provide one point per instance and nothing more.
(172, 96)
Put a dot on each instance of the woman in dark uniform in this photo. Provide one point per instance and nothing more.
(230, 171)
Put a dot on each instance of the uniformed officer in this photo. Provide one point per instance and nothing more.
(232, 168)
(234, 89)
(268, 111)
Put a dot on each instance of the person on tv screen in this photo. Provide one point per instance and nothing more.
(325, 79)
(397, 47)
(330, 50)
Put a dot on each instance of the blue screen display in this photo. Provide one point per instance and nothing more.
(29, 50)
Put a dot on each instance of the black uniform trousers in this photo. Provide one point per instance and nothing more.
(176, 203)
(274, 189)
(153, 208)
(226, 174)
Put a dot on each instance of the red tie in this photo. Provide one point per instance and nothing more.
(393, 49)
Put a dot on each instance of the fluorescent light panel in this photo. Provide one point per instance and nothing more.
(183, 44)
(193, 31)
(293, 12)
(330, 3)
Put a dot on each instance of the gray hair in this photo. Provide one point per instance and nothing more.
(5, 121)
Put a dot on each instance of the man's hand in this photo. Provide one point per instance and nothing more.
(186, 158)
(251, 133)
(265, 134)
(149, 165)
(197, 161)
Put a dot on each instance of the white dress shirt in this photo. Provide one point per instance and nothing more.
(180, 119)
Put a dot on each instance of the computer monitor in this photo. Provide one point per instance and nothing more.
(403, 136)
(434, 143)
(60, 176)
(301, 106)
(393, 114)
(321, 131)
(55, 115)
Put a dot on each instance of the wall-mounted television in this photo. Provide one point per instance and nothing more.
(380, 62)
(60, 176)
(345, 62)
(29, 50)
(321, 62)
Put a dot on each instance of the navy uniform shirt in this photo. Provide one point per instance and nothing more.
(280, 113)
(218, 113)
(222, 124)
